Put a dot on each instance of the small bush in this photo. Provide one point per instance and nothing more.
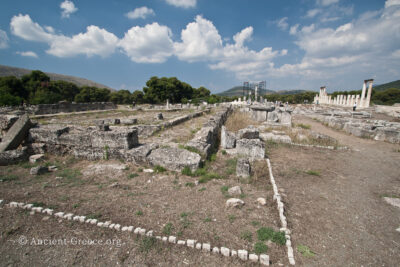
(224, 189)
(8, 177)
(189, 184)
(139, 213)
(267, 233)
(246, 235)
(187, 171)
(167, 230)
(223, 152)
(305, 251)
(303, 126)
(147, 243)
(213, 157)
(159, 169)
(312, 172)
(132, 175)
(260, 248)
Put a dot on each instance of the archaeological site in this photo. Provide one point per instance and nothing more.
(242, 183)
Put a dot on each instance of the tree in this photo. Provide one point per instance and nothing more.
(138, 97)
(201, 92)
(93, 94)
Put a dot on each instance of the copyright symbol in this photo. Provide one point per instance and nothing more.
(22, 240)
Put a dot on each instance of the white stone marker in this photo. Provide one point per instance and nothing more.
(206, 247)
(234, 253)
(264, 259)
(242, 254)
(172, 239)
(215, 250)
(253, 257)
(198, 246)
(190, 243)
(225, 251)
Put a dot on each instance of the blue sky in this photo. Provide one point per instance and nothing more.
(292, 44)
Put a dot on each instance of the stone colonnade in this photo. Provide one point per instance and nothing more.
(362, 100)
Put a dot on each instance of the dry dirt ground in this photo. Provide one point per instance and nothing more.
(335, 200)
(167, 202)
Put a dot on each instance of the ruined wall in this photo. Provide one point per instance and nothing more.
(206, 139)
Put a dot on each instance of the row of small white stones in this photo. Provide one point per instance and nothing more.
(282, 216)
(206, 247)
(326, 147)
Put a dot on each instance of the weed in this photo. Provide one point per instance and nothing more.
(260, 248)
(71, 176)
(303, 126)
(139, 213)
(267, 233)
(8, 177)
(202, 189)
(190, 148)
(167, 230)
(147, 243)
(190, 184)
(312, 172)
(223, 152)
(38, 204)
(246, 235)
(94, 216)
(231, 218)
(76, 205)
(213, 157)
(187, 171)
(140, 170)
(208, 177)
(255, 223)
(45, 185)
(106, 155)
(207, 219)
(230, 166)
(185, 222)
(159, 169)
(132, 175)
(305, 251)
(224, 189)
(184, 214)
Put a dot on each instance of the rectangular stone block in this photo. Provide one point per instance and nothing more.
(16, 134)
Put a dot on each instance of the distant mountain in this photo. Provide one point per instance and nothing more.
(19, 72)
(382, 87)
(238, 91)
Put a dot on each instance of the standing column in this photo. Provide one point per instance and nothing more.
(167, 103)
(256, 94)
(369, 93)
(363, 94)
(358, 100)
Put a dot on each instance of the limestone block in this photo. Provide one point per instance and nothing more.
(275, 137)
(16, 134)
(124, 229)
(242, 254)
(142, 231)
(261, 201)
(36, 158)
(206, 247)
(243, 168)
(198, 246)
(250, 132)
(181, 242)
(13, 156)
(174, 158)
(190, 243)
(253, 148)
(140, 153)
(234, 202)
(253, 258)
(225, 251)
(6, 121)
(215, 250)
(149, 233)
(264, 259)
(172, 239)
(228, 139)
(234, 253)
(235, 191)
(38, 170)
(165, 239)
(130, 228)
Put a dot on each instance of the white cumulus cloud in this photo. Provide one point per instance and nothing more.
(3, 39)
(95, 41)
(182, 3)
(200, 41)
(27, 54)
(68, 7)
(149, 44)
(140, 12)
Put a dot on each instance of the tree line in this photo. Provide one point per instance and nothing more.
(36, 88)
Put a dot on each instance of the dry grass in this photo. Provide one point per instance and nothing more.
(239, 120)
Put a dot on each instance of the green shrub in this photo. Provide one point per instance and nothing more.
(260, 248)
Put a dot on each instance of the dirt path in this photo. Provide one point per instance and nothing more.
(339, 212)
